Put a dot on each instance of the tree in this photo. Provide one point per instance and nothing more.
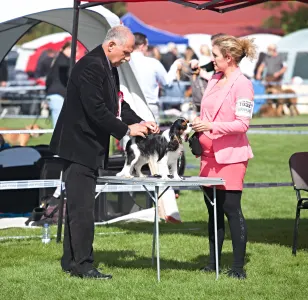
(37, 31)
(293, 19)
(42, 28)
(118, 8)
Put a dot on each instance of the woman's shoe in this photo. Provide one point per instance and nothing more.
(239, 274)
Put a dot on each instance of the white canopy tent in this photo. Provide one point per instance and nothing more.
(16, 19)
(294, 47)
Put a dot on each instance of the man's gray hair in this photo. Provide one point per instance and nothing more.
(119, 33)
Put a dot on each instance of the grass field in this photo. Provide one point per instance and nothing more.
(30, 270)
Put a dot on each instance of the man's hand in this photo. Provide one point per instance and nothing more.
(138, 130)
(276, 75)
(179, 63)
(152, 126)
(200, 126)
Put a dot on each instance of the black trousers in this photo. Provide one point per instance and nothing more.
(80, 183)
(229, 204)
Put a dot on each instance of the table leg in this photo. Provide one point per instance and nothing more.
(157, 232)
(154, 237)
(215, 231)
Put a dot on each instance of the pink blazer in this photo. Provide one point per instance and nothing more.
(230, 119)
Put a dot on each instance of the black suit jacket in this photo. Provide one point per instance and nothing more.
(88, 115)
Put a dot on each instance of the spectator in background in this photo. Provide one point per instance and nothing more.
(170, 57)
(261, 57)
(1, 141)
(3, 73)
(153, 52)
(205, 55)
(150, 73)
(189, 55)
(56, 81)
(207, 69)
(44, 63)
(3, 144)
(273, 65)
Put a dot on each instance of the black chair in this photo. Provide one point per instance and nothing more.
(298, 163)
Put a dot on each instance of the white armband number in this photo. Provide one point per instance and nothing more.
(244, 108)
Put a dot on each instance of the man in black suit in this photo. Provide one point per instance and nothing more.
(81, 137)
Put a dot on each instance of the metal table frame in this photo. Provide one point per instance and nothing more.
(156, 183)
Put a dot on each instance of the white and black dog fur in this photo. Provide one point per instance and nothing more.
(160, 150)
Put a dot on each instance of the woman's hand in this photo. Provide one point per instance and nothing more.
(199, 126)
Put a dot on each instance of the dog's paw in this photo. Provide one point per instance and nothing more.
(129, 176)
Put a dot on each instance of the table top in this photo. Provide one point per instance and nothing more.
(154, 181)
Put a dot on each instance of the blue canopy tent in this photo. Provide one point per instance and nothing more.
(154, 35)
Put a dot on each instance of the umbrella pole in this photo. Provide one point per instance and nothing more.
(74, 33)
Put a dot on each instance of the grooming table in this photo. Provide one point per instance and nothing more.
(154, 183)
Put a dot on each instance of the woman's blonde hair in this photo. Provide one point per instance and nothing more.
(237, 48)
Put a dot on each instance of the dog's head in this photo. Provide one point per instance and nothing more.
(180, 130)
(34, 127)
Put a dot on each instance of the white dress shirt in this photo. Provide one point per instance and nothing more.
(150, 74)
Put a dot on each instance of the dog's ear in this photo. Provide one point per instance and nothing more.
(173, 144)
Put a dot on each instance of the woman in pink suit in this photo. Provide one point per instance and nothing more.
(226, 110)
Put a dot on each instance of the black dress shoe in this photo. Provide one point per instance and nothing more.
(238, 274)
(92, 274)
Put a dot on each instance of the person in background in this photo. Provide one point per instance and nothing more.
(3, 73)
(154, 52)
(3, 144)
(226, 111)
(206, 70)
(44, 63)
(56, 81)
(87, 120)
(1, 141)
(273, 65)
(167, 59)
(150, 73)
(205, 55)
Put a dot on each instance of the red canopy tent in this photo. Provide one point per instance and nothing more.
(220, 6)
(33, 59)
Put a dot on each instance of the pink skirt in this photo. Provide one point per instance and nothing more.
(233, 174)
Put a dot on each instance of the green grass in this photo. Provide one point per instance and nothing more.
(30, 270)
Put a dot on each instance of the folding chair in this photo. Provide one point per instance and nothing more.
(298, 163)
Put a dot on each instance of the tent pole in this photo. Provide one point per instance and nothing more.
(240, 6)
(74, 33)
